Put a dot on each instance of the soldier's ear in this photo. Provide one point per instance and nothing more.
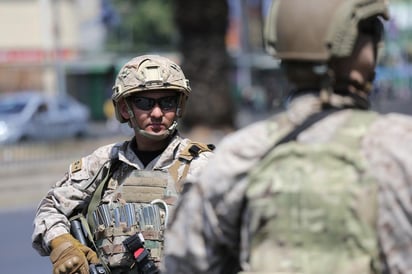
(124, 110)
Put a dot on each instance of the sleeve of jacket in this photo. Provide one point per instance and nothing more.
(197, 165)
(68, 194)
(388, 148)
(197, 241)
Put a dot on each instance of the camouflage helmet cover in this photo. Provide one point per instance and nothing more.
(316, 30)
(150, 73)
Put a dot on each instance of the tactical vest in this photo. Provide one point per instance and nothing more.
(312, 207)
(140, 205)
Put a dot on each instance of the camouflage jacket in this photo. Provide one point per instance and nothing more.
(71, 193)
(213, 240)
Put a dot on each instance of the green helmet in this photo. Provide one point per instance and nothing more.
(150, 73)
(316, 30)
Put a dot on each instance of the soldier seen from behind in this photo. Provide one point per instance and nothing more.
(323, 187)
(111, 207)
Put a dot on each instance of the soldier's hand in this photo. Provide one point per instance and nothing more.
(69, 256)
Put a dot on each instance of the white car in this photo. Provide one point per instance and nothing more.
(32, 115)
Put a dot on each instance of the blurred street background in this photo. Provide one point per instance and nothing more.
(74, 49)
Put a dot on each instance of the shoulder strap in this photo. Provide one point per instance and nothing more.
(191, 151)
(113, 164)
(85, 220)
(292, 135)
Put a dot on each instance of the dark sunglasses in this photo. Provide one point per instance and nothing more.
(145, 103)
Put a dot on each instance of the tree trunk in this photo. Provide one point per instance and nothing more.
(202, 26)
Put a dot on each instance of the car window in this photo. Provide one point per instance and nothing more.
(8, 107)
(63, 106)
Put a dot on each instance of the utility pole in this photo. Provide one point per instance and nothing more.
(58, 65)
(54, 76)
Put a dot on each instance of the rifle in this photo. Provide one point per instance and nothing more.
(77, 232)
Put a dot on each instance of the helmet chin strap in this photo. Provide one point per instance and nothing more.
(157, 137)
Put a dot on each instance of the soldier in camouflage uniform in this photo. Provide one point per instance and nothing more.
(323, 187)
(128, 188)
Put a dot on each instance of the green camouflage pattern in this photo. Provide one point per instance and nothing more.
(317, 212)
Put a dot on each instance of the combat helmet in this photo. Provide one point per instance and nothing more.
(327, 29)
(307, 35)
(150, 73)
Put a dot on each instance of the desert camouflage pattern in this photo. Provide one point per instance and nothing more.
(216, 238)
(141, 203)
(73, 193)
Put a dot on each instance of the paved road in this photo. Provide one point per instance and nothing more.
(16, 254)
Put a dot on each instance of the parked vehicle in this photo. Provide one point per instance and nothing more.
(31, 115)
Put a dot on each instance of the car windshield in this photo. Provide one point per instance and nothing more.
(9, 107)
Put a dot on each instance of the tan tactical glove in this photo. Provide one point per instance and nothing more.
(69, 256)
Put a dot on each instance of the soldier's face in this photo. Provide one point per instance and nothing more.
(154, 112)
(360, 65)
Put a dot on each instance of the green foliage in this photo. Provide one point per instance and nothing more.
(144, 25)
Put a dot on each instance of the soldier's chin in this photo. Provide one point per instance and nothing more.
(157, 132)
(158, 135)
